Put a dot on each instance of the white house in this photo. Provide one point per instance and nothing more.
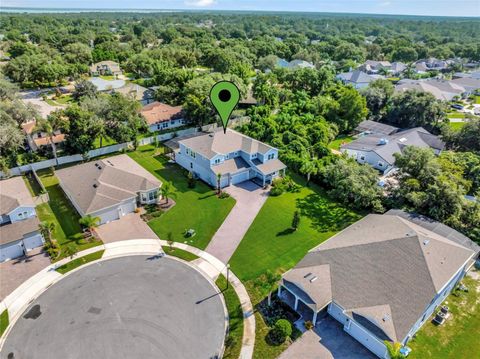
(357, 78)
(232, 155)
(19, 225)
(160, 116)
(108, 188)
(377, 149)
(381, 278)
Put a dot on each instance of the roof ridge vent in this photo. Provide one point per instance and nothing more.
(313, 279)
(386, 317)
(426, 241)
(383, 141)
(307, 275)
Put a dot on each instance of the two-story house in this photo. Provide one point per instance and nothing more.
(105, 68)
(19, 225)
(160, 116)
(381, 278)
(231, 155)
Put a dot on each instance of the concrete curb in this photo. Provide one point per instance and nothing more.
(20, 298)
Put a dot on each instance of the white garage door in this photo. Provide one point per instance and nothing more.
(10, 251)
(109, 216)
(127, 208)
(240, 177)
(33, 242)
(364, 337)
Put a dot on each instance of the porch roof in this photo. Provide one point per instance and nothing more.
(231, 166)
(270, 166)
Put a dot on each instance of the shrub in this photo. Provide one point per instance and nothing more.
(191, 180)
(276, 191)
(224, 195)
(308, 325)
(281, 331)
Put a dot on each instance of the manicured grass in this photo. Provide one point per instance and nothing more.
(64, 99)
(198, 208)
(456, 125)
(458, 336)
(60, 212)
(3, 321)
(179, 253)
(456, 115)
(32, 184)
(80, 261)
(105, 142)
(233, 342)
(477, 100)
(335, 144)
(107, 77)
(270, 245)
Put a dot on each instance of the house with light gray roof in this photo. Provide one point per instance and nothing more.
(357, 78)
(377, 149)
(232, 155)
(381, 278)
(109, 188)
(19, 225)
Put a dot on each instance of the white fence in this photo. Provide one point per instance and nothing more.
(16, 171)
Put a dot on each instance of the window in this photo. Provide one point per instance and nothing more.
(362, 158)
(217, 161)
(144, 197)
(254, 155)
(20, 214)
(271, 156)
(165, 124)
(191, 165)
(151, 196)
(380, 164)
(158, 126)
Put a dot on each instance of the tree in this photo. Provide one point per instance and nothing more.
(219, 180)
(84, 88)
(378, 95)
(167, 190)
(90, 222)
(308, 168)
(83, 129)
(414, 109)
(46, 229)
(394, 350)
(351, 108)
(54, 123)
(295, 220)
(266, 284)
(78, 53)
(468, 138)
(70, 250)
(281, 331)
(170, 240)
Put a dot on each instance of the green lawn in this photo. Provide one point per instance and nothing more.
(269, 245)
(3, 321)
(32, 184)
(458, 337)
(105, 142)
(456, 115)
(198, 208)
(179, 253)
(233, 342)
(80, 262)
(477, 100)
(456, 125)
(60, 212)
(335, 144)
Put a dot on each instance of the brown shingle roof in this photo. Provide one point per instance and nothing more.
(14, 193)
(386, 262)
(157, 112)
(12, 232)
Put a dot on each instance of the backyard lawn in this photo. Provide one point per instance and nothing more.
(198, 208)
(335, 144)
(456, 125)
(458, 337)
(60, 212)
(270, 245)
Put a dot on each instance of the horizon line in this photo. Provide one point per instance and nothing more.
(113, 10)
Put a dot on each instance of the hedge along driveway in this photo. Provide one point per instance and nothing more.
(198, 208)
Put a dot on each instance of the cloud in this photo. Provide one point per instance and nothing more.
(385, 3)
(200, 3)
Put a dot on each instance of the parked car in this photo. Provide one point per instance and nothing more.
(457, 106)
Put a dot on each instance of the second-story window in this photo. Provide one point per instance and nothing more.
(271, 156)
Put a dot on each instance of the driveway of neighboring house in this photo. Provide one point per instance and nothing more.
(35, 98)
(16, 271)
(250, 199)
(327, 341)
(128, 227)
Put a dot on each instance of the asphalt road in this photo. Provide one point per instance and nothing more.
(129, 307)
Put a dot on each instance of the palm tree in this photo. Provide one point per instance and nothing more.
(89, 222)
(308, 168)
(167, 190)
(46, 229)
(394, 350)
(219, 179)
(54, 123)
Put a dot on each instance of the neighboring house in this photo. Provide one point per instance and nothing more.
(108, 188)
(160, 116)
(19, 225)
(381, 278)
(105, 68)
(357, 78)
(234, 156)
(374, 67)
(431, 64)
(377, 149)
(38, 139)
(444, 90)
(136, 92)
(367, 127)
(294, 64)
(397, 68)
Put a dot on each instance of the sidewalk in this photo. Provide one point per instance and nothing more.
(19, 299)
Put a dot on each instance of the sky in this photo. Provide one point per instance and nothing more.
(396, 7)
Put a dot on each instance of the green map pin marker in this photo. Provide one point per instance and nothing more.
(224, 96)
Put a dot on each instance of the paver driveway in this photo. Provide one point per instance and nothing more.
(250, 199)
(128, 227)
(129, 307)
(16, 271)
(327, 341)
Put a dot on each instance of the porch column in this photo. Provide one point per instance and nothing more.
(263, 178)
(279, 291)
(314, 317)
(296, 303)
